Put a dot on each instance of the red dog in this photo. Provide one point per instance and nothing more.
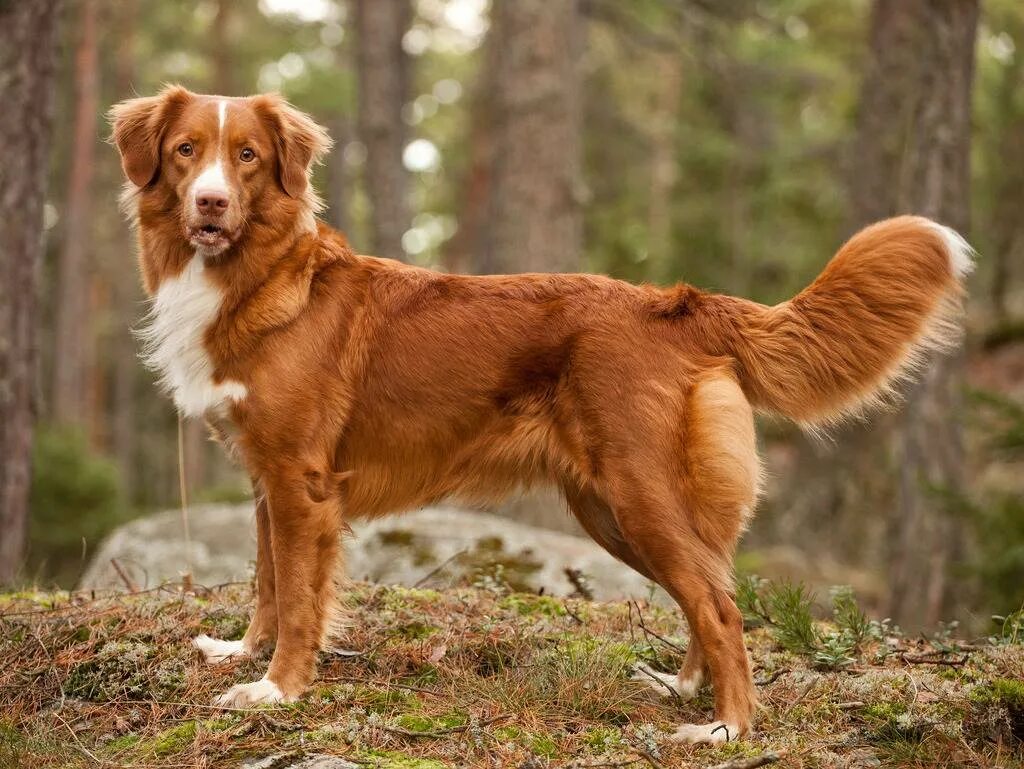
(355, 386)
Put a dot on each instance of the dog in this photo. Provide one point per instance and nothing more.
(355, 386)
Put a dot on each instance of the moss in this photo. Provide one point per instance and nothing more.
(396, 537)
(415, 630)
(174, 740)
(117, 669)
(542, 745)
(526, 604)
(490, 544)
(385, 701)
(386, 759)
(10, 737)
(396, 598)
(423, 723)
(884, 711)
(1008, 694)
(508, 733)
(122, 743)
(603, 739)
(225, 624)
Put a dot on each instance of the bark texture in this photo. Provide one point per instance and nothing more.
(535, 181)
(72, 354)
(27, 65)
(383, 89)
(912, 156)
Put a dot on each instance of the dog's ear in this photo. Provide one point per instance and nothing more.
(299, 140)
(138, 127)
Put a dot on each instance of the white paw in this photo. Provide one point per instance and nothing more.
(717, 731)
(262, 692)
(664, 684)
(215, 650)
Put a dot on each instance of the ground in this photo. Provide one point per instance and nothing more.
(484, 677)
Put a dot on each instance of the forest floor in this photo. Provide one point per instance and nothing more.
(485, 677)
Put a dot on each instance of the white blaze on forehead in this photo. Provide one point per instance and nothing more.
(212, 178)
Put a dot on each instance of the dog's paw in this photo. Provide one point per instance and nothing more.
(214, 650)
(666, 684)
(717, 731)
(262, 692)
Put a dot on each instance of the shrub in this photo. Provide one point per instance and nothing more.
(75, 496)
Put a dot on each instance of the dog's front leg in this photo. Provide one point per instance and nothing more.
(263, 627)
(306, 545)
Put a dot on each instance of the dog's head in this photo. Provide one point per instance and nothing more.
(218, 166)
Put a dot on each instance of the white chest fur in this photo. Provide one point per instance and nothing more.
(182, 310)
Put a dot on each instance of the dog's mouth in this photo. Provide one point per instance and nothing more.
(210, 237)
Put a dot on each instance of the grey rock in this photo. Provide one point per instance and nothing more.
(436, 546)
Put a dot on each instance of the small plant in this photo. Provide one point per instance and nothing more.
(1011, 629)
(942, 639)
(835, 650)
(789, 607)
(748, 598)
(851, 619)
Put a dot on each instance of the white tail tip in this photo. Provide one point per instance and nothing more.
(961, 253)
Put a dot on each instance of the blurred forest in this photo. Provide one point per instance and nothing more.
(733, 144)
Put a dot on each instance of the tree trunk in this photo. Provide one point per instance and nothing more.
(27, 65)
(127, 296)
(470, 248)
(535, 211)
(72, 343)
(913, 156)
(664, 125)
(222, 53)
(383, 89)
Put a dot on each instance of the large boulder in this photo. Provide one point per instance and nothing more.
(438, 546)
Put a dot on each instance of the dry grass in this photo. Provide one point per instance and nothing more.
(473, 678)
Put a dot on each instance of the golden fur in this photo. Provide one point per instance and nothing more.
(374, 387)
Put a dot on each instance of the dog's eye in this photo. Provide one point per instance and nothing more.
(247, 155)
(185, 149)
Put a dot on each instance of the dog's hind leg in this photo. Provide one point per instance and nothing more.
(685, 529)
(596, 517)
(263, 626)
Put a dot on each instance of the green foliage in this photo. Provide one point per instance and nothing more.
(835, 651)
(789, 606)
(1011, 629)
(750, 602)
(851, 619)
(997, 517)
(75, 497)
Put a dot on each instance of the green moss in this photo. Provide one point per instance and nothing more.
(508, 733)
(603, 739)
(526, 604)
(415, 630)
(884, 711)
(174, 740)
(1004, 693)
(397, 598)
(9, 737)
(423, 723)
(225, 624)
(121, 744)
(385, 701)
(542, 745)
(386, 759)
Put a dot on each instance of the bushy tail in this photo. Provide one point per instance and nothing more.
(892, 294)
